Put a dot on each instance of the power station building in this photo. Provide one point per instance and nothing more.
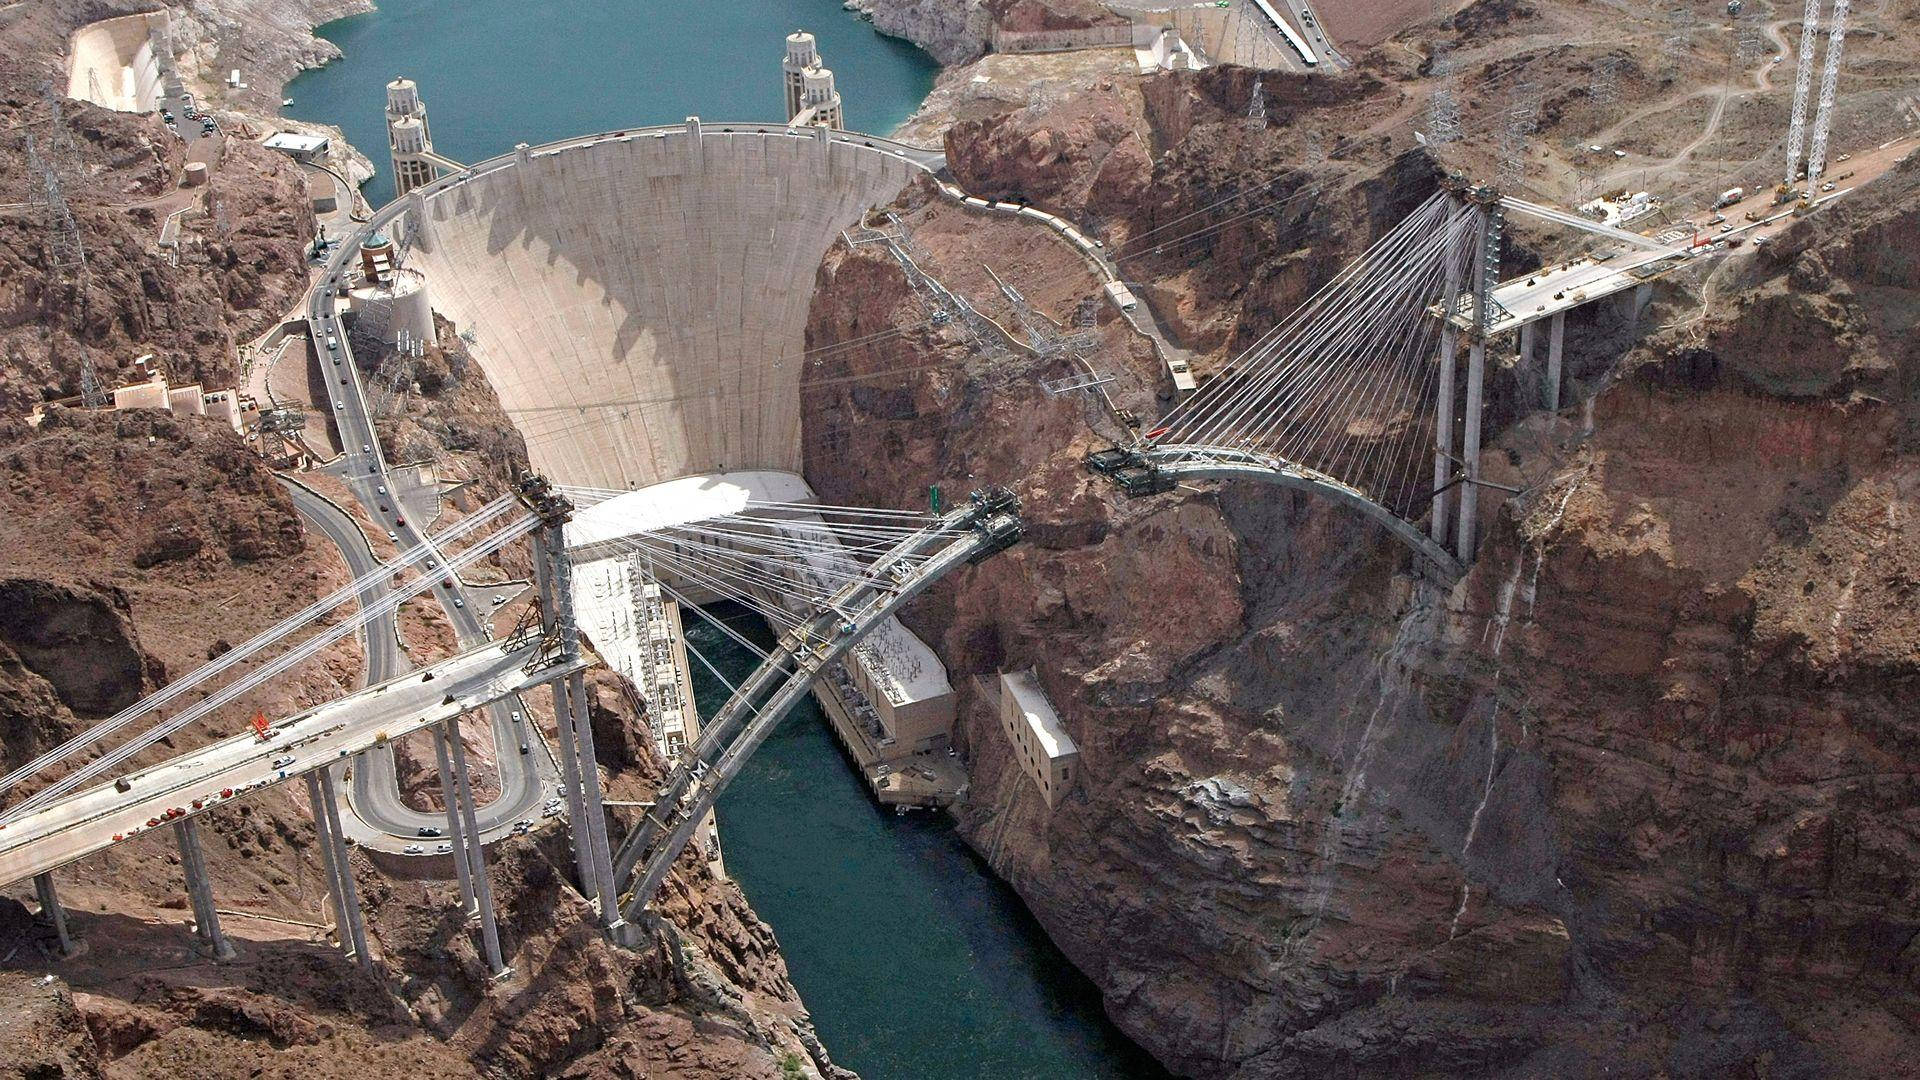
(812, 100)
(1039, 741)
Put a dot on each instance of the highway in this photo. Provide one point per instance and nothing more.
(379, 818)
(1562, 288)
(195, 782)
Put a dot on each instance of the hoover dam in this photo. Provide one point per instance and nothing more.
(638, 300)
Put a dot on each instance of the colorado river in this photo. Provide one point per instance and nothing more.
(915, 962)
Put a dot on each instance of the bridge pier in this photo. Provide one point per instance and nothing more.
(348, 920)
(212, 940)
(590, 829)
(579, 762)
(1486, 273)
(51, 911)
(456, 829)
(1556, 344)
(1446, 398)
(476, 854)
(1528, 342)
(583, 861)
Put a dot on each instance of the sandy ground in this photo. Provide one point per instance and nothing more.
(1359, 23)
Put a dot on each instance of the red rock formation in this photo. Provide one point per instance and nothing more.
(1636, 795)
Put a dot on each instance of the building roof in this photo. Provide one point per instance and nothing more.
(901, 665)
(1031, 699)
(293, 142)
(676, 502)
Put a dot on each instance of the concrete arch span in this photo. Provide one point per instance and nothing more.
(1213, 463)
(638, 301)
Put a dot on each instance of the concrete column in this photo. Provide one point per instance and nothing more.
(456, 829)
(583, 860)
(200, 891)
(545, 564)
(543, 578)
(1486, 260)
(334, 836)
(51, 911)
(1470, 453)
(483, 892)
(1642, 296)
(596, 814)
(1527, 341)
(1443, 407)
(419, 231)
(336, 891)
(1556, 342)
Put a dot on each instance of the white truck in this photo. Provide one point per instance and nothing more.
(1729, 197)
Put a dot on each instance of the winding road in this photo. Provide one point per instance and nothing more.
(379, 818)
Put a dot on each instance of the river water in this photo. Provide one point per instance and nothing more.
(916, 962)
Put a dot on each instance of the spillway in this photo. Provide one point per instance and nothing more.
(638, 301)
(113, 63)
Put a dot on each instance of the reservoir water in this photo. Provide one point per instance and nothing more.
(498, 72)
(915, 962)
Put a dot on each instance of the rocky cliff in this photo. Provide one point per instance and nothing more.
(955, 31)
(135, 545)
(240, 263)
(1633, 798)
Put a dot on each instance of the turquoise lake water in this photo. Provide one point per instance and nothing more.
(498, 72)
(916, 963)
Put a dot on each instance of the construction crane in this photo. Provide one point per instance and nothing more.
(1829, 84)
(1802, 84)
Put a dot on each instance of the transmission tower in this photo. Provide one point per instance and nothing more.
(1604, 88)
(91, 394)
(1680, 35)
(1443, 109)
(1829, 83)
(1802, 83)
(1257, 108)
(64, 250)
(1521, 117)
(1751, 41)
(60, 144)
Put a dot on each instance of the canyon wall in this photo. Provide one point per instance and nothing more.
(1635, 796)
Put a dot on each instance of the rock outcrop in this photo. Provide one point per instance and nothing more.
(1632, 796)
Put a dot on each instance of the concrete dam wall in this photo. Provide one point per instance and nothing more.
(112, 63)
(638, 301)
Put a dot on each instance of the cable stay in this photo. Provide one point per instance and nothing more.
(352, 591)
(280, 664)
